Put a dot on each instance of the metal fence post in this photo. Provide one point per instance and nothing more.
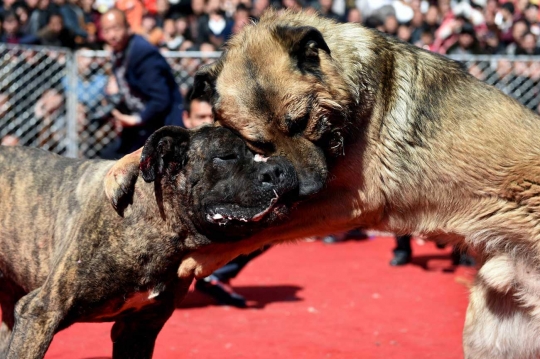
(72, 138)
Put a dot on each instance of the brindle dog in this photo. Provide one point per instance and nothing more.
(68, 256)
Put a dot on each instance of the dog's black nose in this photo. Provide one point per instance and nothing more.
(271, 174)
(279, 174)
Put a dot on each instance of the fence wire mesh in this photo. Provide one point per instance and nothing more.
(62, 101)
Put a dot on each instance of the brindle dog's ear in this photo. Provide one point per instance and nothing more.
(205, 80)
(304, 43)
(120, 181)
(164, 153)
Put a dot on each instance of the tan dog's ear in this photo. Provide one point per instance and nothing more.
(205, 81)
(120, 181)
(304, 43)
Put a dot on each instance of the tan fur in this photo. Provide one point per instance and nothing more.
(428, 149)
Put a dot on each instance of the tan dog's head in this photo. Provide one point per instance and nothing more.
(278, 86)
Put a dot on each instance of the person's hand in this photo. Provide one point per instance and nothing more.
(125, 120)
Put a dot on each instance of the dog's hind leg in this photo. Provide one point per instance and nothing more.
(10, 293)
(497, 326)
(134, 336)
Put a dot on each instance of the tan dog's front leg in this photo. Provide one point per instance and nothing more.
(498, 327)
(36, 320)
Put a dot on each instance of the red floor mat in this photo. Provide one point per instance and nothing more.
(311, 300)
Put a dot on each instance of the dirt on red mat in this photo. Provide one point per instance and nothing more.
(314, 300)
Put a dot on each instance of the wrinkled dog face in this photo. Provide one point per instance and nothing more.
(292, 101)
(229, 191)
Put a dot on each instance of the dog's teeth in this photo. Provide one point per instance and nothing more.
(260, 158)
(217, 216)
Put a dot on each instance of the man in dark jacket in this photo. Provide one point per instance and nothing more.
(150, 95)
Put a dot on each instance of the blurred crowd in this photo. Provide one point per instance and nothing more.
(444, 26)
(37, 78)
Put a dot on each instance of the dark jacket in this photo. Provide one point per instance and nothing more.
(150, 77)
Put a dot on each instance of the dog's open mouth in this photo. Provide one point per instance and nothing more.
(223, 214)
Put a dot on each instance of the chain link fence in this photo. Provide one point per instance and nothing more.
(61, 100)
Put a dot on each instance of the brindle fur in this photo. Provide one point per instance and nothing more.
(68, 255)
(393, 138)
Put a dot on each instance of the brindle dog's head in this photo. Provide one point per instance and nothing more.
(279, 88)
(227, 191)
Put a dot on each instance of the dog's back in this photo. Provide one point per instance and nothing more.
(40, 194)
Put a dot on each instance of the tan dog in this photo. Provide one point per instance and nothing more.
(388, 136)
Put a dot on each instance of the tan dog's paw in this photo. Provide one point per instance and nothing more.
(120, 181)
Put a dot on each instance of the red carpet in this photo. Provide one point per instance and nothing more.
(311, 300)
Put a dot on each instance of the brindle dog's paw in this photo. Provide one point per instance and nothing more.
(120, 181)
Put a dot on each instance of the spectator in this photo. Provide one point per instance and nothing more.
(91, 81)
(404, 33)
(40, 16)
(182, 28)
(197, 112)
(531, 15)
(258, 7)
(324, 7)
(426, 40)
(241, 18)
(492, 44)
(528, 45)
(170, 40)
(134, 11)
(519, 28)
(49, 113)
(8, 5)
(467, 42)
(504, 19)
(148, 90)
(150, 31)
(56, 34)
(355, 16)
(11, 32)
(72, 16)
(23, 14)
(163, 11)
(214, 28)
(391, 25)
(91, 21)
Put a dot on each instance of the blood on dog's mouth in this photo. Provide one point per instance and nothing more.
(225, 213)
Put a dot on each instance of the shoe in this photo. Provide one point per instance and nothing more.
(400, 258)
(220, 291)
(334, 238)
(356, 234)
(462, 259)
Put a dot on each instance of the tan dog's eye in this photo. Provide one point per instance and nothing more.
(262, 147)
(297, 125)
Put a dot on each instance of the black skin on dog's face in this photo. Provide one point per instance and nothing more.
(230, 191)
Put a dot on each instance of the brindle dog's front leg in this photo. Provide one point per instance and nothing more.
(135, 335)
(37, 317)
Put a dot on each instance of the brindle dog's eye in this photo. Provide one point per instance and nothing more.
(232, 157)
